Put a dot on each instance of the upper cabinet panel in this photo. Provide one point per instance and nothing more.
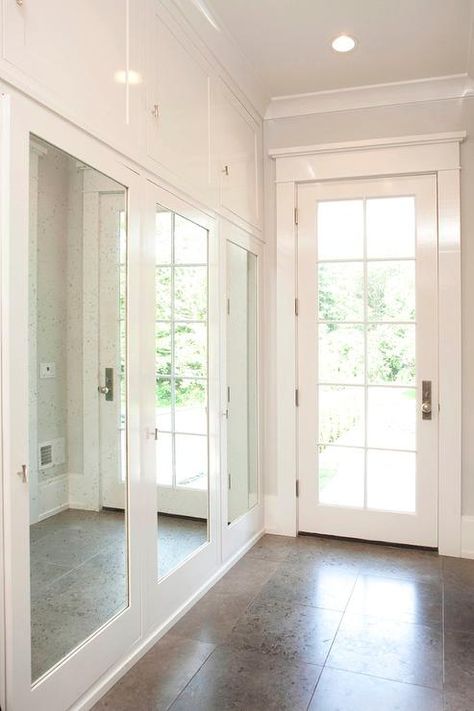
(236, 150)
(75, 53)
(177, 106)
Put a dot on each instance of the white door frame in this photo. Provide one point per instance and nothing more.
(409, 155)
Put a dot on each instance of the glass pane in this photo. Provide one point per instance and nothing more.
(190, 293)
(391, 480)
(391, 418)
(77, 301)
(181, 398)
(163, 293)
(391, 227)
(163, 404)
(190, 242)
(341, 476)
(341, 354)
(241, 355)
(341, 229)
(191, 406)
(341, 416)
(191, 461)
(391, 291)
(164, 459)
(163, 349)
(391, 354)
(190, 349)
(163, 236)
(341, 292)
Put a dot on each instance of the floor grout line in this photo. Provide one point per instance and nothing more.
(323, 667)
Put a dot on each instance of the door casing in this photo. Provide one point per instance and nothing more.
(397, 156)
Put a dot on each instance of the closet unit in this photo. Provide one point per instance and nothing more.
(133, 256)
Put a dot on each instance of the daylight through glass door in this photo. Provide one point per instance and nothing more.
(366, 253)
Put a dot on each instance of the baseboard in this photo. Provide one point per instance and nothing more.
(467, 537)
(113, 675)
(53, 496)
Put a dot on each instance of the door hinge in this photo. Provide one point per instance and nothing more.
(229, 481)
(228, 393)
(297, 488)
(228, 306)
(296, 215)
(297, 307)
(297, 397)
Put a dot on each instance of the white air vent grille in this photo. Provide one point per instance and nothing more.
(46, 455)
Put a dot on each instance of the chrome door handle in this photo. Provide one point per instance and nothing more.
(103, 389)
(426, 408)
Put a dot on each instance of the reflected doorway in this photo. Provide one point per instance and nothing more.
(77, 402)
(181, 387)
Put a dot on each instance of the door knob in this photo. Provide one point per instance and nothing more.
(426, 409)
(108, 388)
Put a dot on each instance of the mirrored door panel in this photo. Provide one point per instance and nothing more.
(241, 350)
(181, 387)
(77, 402)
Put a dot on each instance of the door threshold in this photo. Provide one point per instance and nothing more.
(410, 546)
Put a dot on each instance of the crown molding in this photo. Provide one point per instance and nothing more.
(456, 86)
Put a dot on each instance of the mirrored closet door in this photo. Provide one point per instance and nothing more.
(72, 450)
(77, 309)
(181, 454)
(181, 375)
(241, 393)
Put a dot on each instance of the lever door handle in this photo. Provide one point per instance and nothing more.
(23, 474)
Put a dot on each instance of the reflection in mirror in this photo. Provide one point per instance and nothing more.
(181, 361)
(241, 348)
(77, 417)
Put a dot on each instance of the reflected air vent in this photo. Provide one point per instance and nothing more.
(46, 455)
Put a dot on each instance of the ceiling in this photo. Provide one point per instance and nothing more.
(288, 41)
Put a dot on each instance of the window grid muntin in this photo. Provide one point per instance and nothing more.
(172, 377)
(366, 324)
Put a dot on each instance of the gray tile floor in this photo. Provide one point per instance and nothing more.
(78, 575)
(318, 625)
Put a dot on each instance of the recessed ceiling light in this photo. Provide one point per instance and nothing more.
(343, 43)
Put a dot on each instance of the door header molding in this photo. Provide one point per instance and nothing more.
(400, 155)
(415, 140)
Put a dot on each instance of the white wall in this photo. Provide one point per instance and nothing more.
(379, 122)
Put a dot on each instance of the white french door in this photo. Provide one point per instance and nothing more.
(367, 359)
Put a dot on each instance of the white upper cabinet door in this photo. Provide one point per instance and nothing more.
(75, 53)
(235, 151)
(177, 107)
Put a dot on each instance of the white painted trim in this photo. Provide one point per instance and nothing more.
(112, 676)
(53, 496)
(467, 537)
(365, 159)
(415, 140)
(450, 362)
(455, 86)
(280, 501)
(401, 157)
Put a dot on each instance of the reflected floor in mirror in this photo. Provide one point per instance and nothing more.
(78, 578)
